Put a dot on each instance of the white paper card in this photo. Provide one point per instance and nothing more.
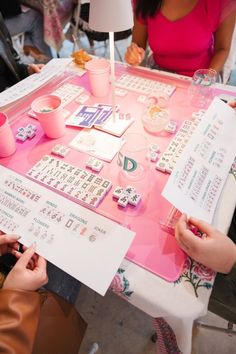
(32, 82)
(84, 244)
(116, 127)
(97, 143)
(199, 175)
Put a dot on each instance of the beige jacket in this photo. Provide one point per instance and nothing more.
(38, 323)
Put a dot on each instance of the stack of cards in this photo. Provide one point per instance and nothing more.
(88, 116)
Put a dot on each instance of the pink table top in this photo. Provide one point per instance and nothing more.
(152, 249)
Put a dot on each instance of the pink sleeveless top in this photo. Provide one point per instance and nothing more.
(187, 44)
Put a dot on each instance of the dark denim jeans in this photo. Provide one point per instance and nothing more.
(62, 283)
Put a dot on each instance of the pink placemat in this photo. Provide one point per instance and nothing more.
(153, 248)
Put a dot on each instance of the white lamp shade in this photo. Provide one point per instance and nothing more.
(110, 15)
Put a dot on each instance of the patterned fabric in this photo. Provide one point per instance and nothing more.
(56, 14)
(120, 285)
(166, 341)
(197, 275)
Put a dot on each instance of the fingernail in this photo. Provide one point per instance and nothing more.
(33, 245)
(18, 237)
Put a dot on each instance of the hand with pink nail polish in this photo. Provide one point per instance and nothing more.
(24, 276)
(134, 54)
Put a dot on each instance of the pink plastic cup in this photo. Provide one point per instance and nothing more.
(49, 111)
(98, 72)
(7, 140)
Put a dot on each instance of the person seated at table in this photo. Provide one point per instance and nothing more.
(33, 321)
(21, 19)
(11, 70)
(184, 36)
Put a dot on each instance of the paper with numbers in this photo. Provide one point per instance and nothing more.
(32, 82)
(84, 244)
(201, 171)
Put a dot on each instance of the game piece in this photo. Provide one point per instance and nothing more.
(142, 98)
(60, 150)
(120, 92)
(126, 195)
(154, 147)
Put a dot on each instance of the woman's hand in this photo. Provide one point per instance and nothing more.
(8, 243)
(34, 68)
(134, 54)
(25, 277)
(232, 104)
(214, 249)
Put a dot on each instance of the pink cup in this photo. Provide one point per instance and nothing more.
(7, 140)
(49, 111)
(98, 72)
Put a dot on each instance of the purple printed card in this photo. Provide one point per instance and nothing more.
(84, 117)
(105, 115)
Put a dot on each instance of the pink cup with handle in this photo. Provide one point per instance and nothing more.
(7, 140)
(49, 111)
(99, 73)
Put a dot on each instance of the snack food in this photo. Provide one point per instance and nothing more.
(80, 57)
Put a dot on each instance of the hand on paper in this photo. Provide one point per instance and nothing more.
(134, 54)
(8, 243)
(34, 68)
(232, 104)
(214, 249)
(29, 272)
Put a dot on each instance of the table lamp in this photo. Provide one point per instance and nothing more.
(111, 16)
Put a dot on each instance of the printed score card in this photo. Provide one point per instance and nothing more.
(84, 244)
(96, 143)
(197, 180)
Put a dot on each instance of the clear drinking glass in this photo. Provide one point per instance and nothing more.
(155, 116)
(132, 157)
(202, 87)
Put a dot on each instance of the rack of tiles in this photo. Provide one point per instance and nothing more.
(87, 188)
(173, 151)
(143, 85)
(68, 92)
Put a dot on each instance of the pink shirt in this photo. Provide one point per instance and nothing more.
(187, 44)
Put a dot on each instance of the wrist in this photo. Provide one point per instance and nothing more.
(234, 263)
(233, 260)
